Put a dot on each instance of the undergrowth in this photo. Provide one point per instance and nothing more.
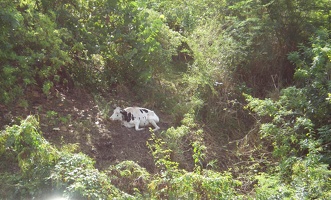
(33, 168)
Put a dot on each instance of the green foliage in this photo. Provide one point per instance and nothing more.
(30, 167)
(310, 180)
(198, 154)
(34, 156)
(271, 187)
(32, 50)
(266, 32)
(42, 168)
(194, 58)
(129, 177)
(173, 183)
(77, 177)
(297, 125)
(289, 126)
(183, 139)
(162, 156)
(85, 39)
(312, 72)
(207, 185)
(300, 111)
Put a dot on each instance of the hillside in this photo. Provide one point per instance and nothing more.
(76, 118)
(242, 88)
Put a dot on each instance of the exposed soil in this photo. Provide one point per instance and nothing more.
(78, 118)
(75, 118)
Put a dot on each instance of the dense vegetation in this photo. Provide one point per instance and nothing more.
(253, 75)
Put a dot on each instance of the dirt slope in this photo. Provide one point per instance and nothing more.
(75, 118)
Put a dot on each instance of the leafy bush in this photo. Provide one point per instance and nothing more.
(32, 53)
(23, 147)
(40, 168)
(128, 176)
(171, 182)
(36, 168)
(77, 177)
(313, 69)
(297, 126)
(310, 180)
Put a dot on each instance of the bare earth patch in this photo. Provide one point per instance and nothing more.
(75, 118)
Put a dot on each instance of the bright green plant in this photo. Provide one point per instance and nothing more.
(173, 183)
(177, 140)
(309, 180)
(47, 86)
(34, 156)
(130, 177)
(161, 155)
(77, 177)
(198, 155)
(31, 168)
(65, 119)
(32, 50)
(271, 187)
(313, 67)
(52, 117)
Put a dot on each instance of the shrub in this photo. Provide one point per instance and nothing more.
(129, 177)
(24, 147)
(170, 182)
(32, 50)
(297, 125)
(37, 168)
(77, 177)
